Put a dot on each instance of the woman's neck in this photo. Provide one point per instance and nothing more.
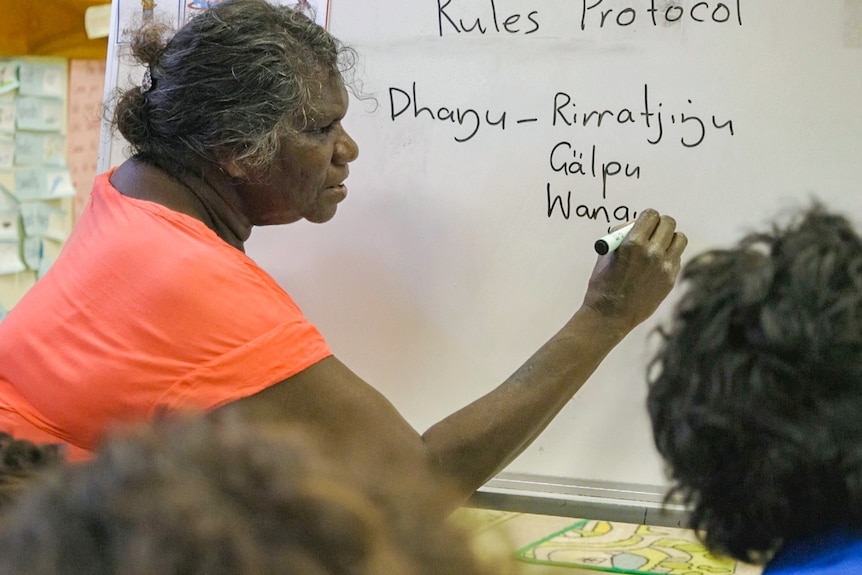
(209, 197)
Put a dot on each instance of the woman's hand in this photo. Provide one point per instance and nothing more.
(628, 284)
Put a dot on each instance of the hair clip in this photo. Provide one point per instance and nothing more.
(147, 81)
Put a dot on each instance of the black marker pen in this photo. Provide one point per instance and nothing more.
(613, 240)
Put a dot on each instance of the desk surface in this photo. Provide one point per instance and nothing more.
(503, 532)
(499, 532)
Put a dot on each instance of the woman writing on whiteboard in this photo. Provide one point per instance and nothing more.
(153, 306)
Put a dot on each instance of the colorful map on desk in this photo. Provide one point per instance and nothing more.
(630, 548)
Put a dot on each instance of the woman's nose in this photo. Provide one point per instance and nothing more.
(346, 150)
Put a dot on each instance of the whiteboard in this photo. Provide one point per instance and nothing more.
(485, 175)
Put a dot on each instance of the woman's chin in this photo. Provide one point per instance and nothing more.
(322, 216)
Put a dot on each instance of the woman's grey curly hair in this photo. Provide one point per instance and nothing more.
(227, 86)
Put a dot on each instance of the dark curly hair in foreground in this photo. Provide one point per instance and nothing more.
(220, 496)
(756, 391)
(21, 462)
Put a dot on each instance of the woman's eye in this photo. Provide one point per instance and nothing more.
(321, 130)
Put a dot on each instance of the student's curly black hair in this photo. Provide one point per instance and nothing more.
(21, 462)
(221, 496)
(755, 394)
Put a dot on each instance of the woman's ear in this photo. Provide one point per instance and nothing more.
(229, 165)
(233, 169)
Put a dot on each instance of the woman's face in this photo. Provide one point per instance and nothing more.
(306, 180)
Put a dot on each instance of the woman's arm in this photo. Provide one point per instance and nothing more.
(476, 442)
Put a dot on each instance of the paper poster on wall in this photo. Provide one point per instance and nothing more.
(8, 76)
(46, 79)
(39, 114)
(43, 220)
(38, 148)
(42, 183)
(40, 254)
(86, 85)
(7, 114)
(7, 198)
(7, 152)
(9, 224)
(134, 13)
(10, 258)
(33, 250)
(318, 8)
(35, 183)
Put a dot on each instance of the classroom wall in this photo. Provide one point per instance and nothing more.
(53, 34)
